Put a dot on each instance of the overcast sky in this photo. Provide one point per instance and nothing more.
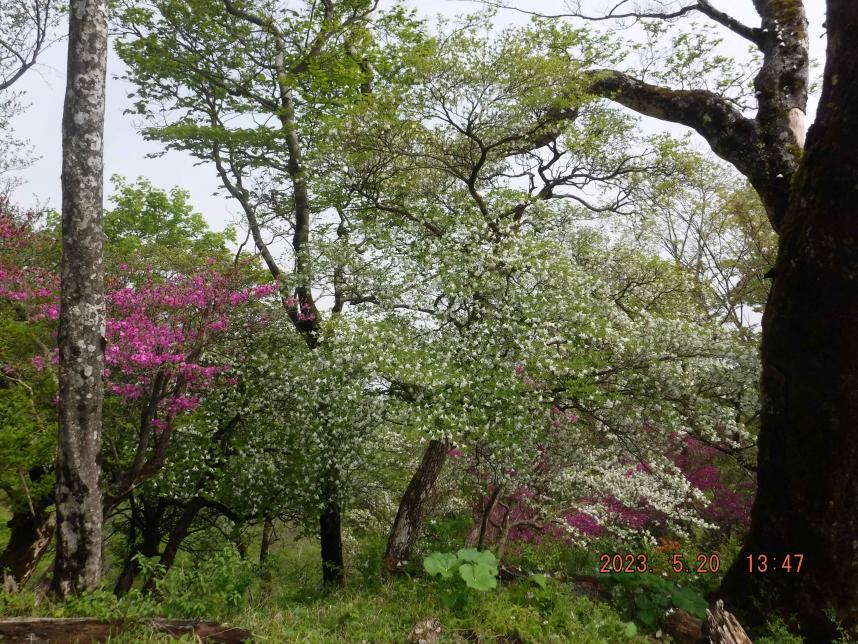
(125, 149)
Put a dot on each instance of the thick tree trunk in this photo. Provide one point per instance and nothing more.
(409, 519)
(81, 331)
(807, 500)
(29, 540)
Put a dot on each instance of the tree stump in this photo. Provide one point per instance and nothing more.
(722, 628)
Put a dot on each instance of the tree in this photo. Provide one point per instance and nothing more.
(808, 452)
(77, 566)
(25, 25)
(29, 255)
(806, 493)
(293, 71)
(767, 148)
(710, 222)
(463, 202)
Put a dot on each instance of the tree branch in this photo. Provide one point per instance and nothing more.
(732, 136)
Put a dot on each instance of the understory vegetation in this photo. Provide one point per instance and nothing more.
(548, 593)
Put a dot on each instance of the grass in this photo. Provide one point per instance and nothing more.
(284, 601)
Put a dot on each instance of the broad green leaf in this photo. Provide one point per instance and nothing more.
(690, 601)
(484, 557)
(478, 577)
(441, 563)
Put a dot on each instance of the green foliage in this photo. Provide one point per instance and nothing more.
(160, 228)
(647, 597)
(467, 568)
(215, 588)
(477, 568)
(444, 564)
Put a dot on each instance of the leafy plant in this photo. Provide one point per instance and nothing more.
(648, 597)
(213, 588)
(467, 568)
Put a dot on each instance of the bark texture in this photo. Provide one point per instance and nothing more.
(29, 539)
(807, 499)
(722, 628)
(766, 149)
(412, 508)
(82, 316)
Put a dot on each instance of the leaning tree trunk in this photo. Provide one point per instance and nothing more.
(81, 330)
(412, 509)
(807, 499)
(29, 540)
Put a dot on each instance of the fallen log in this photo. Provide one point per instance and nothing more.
(82, 630)
(684, 627)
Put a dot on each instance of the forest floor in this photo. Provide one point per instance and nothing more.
(282, 600)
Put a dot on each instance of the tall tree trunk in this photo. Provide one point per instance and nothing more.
(29, 540)
(412, 508)
(304, 313)
(81, 330)
(807, 500)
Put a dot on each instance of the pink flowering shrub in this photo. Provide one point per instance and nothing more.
(160, 330)
(729, 501)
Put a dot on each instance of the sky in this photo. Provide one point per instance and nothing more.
(126, 153)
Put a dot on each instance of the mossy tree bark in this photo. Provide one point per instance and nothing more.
(807, 500)
(77, 566)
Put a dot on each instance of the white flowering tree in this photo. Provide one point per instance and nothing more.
(464, 197)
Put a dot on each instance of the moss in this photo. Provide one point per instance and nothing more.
(790, 12)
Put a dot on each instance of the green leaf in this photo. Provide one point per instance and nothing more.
(440, 563)
(690, 601)
(478, 577)
(629, 629)
(648, 617)
(484, 557)
(540, 580)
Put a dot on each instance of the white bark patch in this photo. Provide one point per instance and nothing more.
(797, 125)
